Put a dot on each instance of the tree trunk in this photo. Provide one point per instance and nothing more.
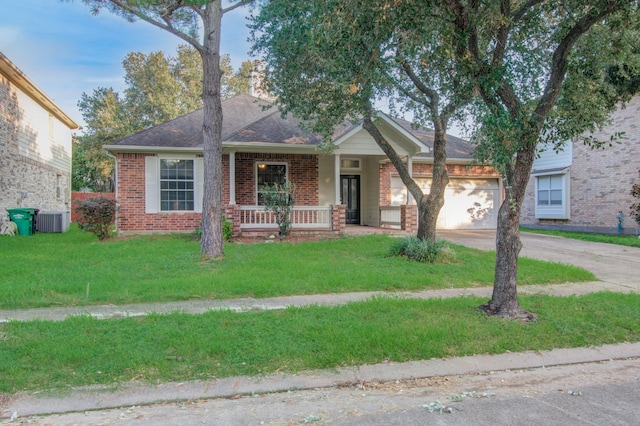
(211, 244)
(504, 301)
(430, 205)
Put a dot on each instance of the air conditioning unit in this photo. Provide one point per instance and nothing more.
(52, 221)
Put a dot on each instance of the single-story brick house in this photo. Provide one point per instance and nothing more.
(580, 189)
(159, 175)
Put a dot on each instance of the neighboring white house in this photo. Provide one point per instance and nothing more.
(35, 145)
(584, 189)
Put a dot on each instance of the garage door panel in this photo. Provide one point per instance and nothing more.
(469, 203)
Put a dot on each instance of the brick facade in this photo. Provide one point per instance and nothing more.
(46, 187)
(302, 169)
(600, 180)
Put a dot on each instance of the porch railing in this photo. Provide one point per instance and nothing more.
(390, 216)
(302, 217)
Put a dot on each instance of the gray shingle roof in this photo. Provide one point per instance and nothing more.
(245, 120)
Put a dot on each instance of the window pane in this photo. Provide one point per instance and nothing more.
(176, 185)
(543, 198)
(543, 182)
(350, 164)
(556, 197)
(556, 182)
(268, 175)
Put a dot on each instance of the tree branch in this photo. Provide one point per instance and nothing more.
(167, 26)
(368, 125)
(519, 14)
(237, 5)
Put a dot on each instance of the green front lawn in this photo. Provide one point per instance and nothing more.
(40, 355)
(622, 240)
(73, 269)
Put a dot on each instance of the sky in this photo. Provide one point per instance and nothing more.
(66, 51)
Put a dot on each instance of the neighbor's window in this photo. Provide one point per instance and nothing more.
(550, 190)
(176, 185)
(269, 174)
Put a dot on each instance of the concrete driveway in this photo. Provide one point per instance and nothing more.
(617, 266)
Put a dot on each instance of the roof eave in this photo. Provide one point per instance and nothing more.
(20, 79)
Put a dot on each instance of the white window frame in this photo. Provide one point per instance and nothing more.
(551, 211)
(152, 183)
(269, 163)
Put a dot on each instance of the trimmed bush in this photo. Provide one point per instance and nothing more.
(227, 230)
(425, 251)
(280, 199)
(96, 215)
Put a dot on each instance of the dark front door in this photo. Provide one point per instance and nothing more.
(350, 195)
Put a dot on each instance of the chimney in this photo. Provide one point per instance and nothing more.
(256, 81)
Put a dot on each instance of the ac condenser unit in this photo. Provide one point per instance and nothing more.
(52, 221)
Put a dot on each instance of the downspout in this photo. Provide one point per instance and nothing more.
(115, 179)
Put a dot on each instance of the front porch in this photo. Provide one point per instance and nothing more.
(255, 220)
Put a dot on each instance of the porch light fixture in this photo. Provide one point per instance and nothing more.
(262, 166)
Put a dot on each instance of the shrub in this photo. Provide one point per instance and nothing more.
(227, 230)
(96, 215)
(425, 251)
(280, 199)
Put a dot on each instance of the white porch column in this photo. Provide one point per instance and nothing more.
(410, 199)
(336, 173)
(232, 177)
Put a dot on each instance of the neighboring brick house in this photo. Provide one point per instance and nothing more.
(159, 175)
(35, 145)
(584, 189)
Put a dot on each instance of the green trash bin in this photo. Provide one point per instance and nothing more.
(23, 219)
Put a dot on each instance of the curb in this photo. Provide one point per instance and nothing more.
(100, 398)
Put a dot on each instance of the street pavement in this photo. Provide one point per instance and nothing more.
(563, 386)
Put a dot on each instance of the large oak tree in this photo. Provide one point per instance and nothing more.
(541, 69)
(329, 61)
(199, 23)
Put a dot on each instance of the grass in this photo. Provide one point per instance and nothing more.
(39, 355)
(622, 240)
(74, 269)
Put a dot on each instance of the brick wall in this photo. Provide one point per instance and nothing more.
(302, 168)
(131, 216)
(600, 180)
(303, 171)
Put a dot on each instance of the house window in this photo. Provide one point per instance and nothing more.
(350, 163)
(269, 174)
(177, 185)
(552, 196)
(550, 190)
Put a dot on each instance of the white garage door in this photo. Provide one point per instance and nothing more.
(468, 203)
